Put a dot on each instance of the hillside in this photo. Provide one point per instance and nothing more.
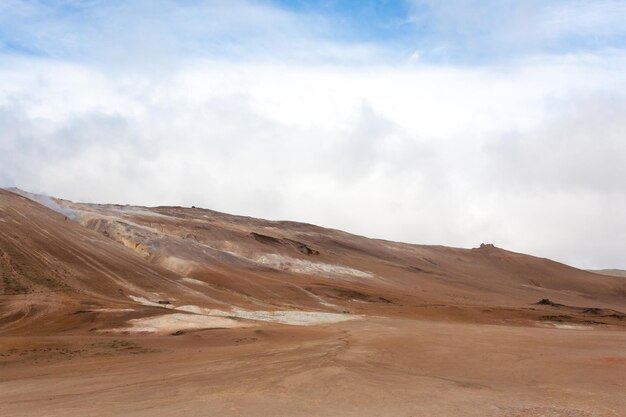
(610, 272)
(98, 257)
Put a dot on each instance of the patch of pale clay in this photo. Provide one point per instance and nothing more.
(302, 266)
(168, 323)
(179, 265)
(194, 281)
(564, 326)
(291, 317)
(137, 211)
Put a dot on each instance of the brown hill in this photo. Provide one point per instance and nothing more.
(610, 272)
(52, 267)
(125, 257)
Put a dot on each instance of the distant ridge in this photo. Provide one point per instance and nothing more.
(609, 272)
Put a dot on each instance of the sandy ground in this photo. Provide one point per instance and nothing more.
(375, 367)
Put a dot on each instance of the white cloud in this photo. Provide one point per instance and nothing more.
(466, 30)
(291, 124)
(521, 155)
(156, 35)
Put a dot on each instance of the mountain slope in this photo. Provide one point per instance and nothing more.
(610, 272)
(139, 262)
(51, 266)
(209, 245)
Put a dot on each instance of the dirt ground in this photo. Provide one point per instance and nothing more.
(373, 367)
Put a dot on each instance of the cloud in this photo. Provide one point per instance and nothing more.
(566, 178)
(158, 34)
(422, 154)
(479, 31)
(217, 108)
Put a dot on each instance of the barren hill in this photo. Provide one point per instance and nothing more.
(98, 257)
(610, 272)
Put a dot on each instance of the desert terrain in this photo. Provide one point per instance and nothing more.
(110, 310)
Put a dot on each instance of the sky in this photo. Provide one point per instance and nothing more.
(436, 122)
